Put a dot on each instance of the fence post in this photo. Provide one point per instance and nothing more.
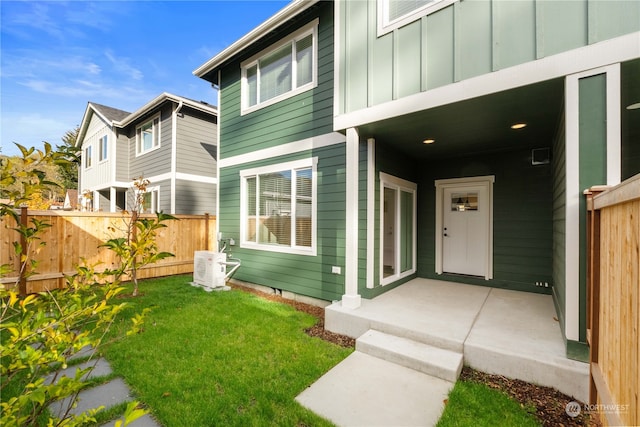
(24, 221)
(593, 285)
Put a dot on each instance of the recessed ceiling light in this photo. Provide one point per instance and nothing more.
(518, 126)
(429, 141)
(635, 106)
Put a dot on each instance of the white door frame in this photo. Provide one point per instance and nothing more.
(480, 181)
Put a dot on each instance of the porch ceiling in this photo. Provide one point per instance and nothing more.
(477, 125)
(483, 124)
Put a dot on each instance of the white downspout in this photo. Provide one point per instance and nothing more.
(174, 154)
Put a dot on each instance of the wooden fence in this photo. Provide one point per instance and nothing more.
(613, 278)
(76, 236)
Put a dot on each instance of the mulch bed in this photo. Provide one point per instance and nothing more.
(549, 403)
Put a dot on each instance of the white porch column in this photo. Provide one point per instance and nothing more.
(351, 298)
(112, 199)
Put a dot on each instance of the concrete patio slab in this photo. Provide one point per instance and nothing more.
(429, 311)
(517, 335)
(100, 368)
(144, 421)
(363, 390)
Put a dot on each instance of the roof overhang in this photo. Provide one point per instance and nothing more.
(86, 118)
(288, 12)
(159, 100)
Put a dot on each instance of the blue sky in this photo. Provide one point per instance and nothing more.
(58, 55)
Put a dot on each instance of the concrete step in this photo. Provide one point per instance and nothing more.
(434, 361)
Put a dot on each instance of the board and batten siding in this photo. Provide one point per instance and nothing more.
(463, 40)
(99, 172)
(300, 274)
(302, 116)
(197, 143)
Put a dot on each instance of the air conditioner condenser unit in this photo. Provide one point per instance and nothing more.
(209, 269)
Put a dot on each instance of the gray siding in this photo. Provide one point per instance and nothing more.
(122, 158)
(195, 198)
(463, 40)
(299, 117)
(153, 162)
(197, 143)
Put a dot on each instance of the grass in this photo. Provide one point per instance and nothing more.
(475, 404)
(221, 358)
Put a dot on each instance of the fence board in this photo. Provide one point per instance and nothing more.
(615, 317)
(74, 236)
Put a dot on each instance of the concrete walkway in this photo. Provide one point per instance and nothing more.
(427, 327)
(109, 394)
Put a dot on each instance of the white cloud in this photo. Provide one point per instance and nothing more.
(121, 65)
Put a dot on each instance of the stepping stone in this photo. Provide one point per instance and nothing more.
(107, 395)
(144, 421)
(101, 368)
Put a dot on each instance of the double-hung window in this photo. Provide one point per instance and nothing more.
(393, 14)
(278, 207)
(285, 69)
(104, 148)
(150, 200)
(148, 135)
(87, 157)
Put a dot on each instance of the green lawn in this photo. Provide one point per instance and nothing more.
(221, 358)
(235, 359)
(475, 404)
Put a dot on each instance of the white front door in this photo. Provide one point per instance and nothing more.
(464, 227)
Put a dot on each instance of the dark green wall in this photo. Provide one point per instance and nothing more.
(301, 274)
(522, 218)
(559, 166)
(302, 116)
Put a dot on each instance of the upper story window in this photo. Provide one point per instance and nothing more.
(394, 14)
(104, 148)
(148, 135)
(87, 157)
(282, 70)
(278, 207)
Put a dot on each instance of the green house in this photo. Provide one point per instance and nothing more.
(363, 144)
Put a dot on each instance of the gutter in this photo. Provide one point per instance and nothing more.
(290, 11)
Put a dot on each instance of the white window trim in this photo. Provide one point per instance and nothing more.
(398, 184)
(385, 26)
(310, 28)
(155, 198)
(139, 151)
(89, 149)
(106, 157)
(312, 163)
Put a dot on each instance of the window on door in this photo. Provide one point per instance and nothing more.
(397, 228)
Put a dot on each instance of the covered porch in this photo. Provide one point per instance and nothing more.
(499, 331)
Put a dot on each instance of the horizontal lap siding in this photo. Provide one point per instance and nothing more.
(305, 275)
(522, 219)
(122, 158)
(463, 40)
(157, 161)
(197, 143)
(302, 116)
(195, 198)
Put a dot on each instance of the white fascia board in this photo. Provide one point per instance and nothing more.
(288, 12)
(158, 100)
(86, 119)
(612, 51)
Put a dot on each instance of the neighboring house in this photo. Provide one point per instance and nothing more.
(171, 141)
(70, 200)
(365, 143)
